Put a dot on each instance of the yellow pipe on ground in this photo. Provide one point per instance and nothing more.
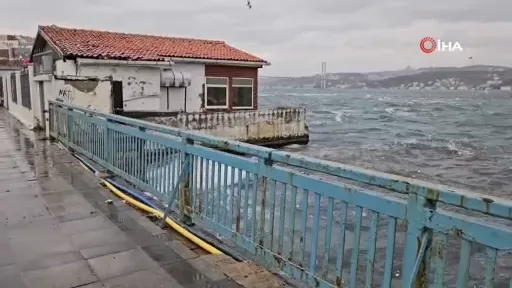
(198, 241)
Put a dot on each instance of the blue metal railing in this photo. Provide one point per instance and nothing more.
(319, 222)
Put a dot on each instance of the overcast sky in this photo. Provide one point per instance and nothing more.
(297, 35)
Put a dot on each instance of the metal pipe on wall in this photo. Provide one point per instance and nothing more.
(167, 89)
(185, 101)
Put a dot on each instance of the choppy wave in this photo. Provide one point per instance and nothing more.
(460, 133)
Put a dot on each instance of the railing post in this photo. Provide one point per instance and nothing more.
(68, 128)
(107, 145)
(416, 253)
(51, 125)
(142, 159)
(185, 197)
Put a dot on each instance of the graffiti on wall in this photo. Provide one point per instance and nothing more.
(66, 94)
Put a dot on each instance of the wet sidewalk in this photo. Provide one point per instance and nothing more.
(56, 229)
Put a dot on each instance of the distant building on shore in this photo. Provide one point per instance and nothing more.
(13, 50)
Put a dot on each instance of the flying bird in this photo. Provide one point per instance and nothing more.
(249, 4)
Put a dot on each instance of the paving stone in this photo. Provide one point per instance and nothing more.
(182, 250)
(6, 255)
(97, 238)
(145, 222)
(17, 188)
(12, 175)
(122, 263)
(34, 241)
(154, 278)
(8, 164)
(77, 215)
(12, 281)
(185, 273)
(63, 276)
(55, 185)
(85, 225)
(107, 249)
(32, 208)
(43, 221)
(64, 198)
(51, 260)
(71, 209)
(9, 270)
(162, 253)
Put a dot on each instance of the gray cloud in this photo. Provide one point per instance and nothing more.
(296, 35)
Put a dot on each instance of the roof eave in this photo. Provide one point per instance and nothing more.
(94, 61)
(221, 62)
(41, 33)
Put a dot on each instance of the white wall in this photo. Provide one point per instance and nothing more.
(177, 95)
(23, 114)
(262, 126)
(90, 94)
(141, 85)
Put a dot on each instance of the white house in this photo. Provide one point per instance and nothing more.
(205, 85)
(151, 72)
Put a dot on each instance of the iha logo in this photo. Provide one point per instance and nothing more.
(429, 45)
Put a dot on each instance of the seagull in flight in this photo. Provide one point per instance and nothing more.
(249, 4)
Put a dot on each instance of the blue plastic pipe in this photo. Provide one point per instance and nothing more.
(132, 193)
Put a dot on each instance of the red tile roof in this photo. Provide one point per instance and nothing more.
(121, 46)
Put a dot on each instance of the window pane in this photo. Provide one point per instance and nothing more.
(240, 81)
(216, 81)
(216, 96)
(243, 97)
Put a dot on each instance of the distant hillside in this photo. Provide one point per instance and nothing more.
(477, 77)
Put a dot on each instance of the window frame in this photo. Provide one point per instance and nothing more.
(206, 85)
(252, 92)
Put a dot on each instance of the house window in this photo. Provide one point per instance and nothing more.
(243, 92)
(216, 92)
(43, 63)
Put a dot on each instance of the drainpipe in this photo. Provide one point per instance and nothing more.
(167, 89)
(185, 105)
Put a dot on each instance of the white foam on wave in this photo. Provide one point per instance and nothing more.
(459, 149)
(390, 110)
(339, 116)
